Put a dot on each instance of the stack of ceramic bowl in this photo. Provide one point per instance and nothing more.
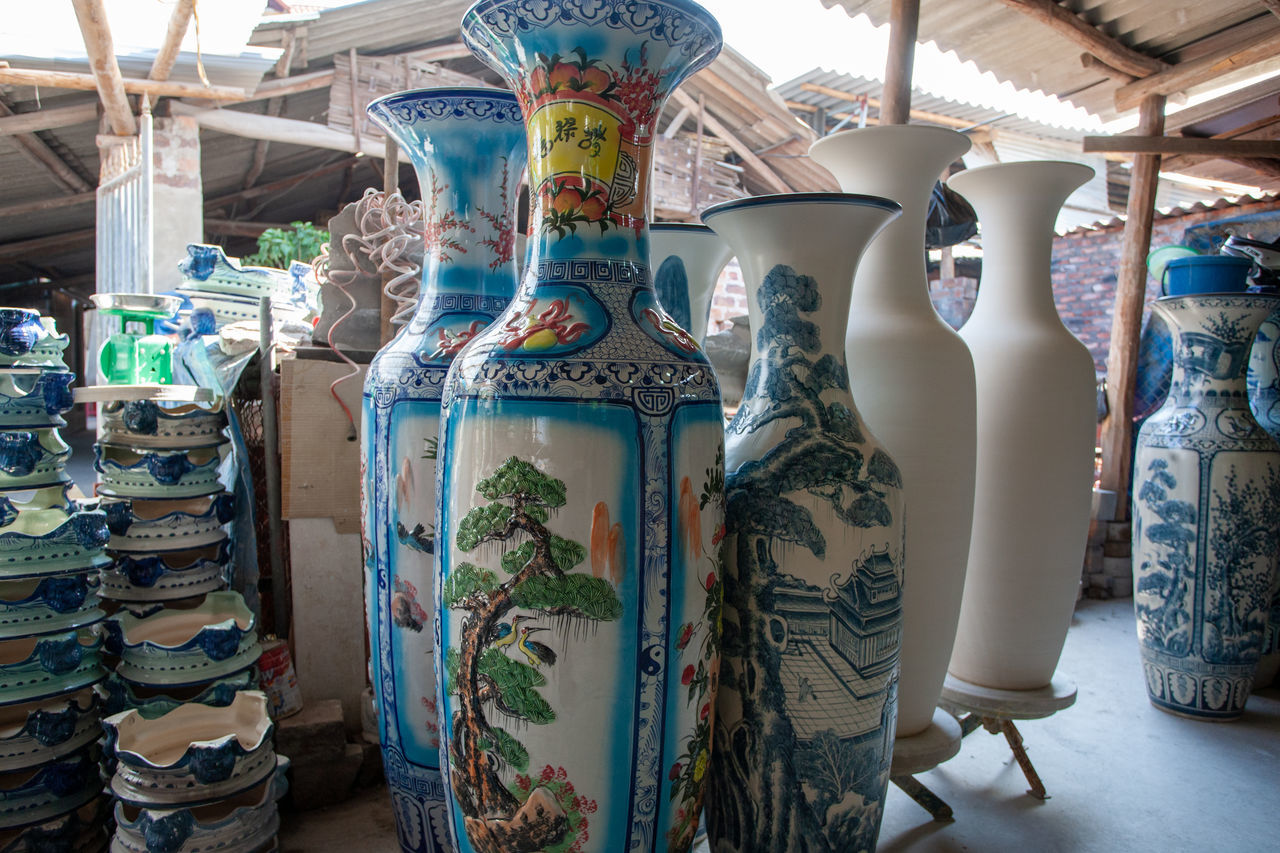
(196, 777)
(233, 292)
(51, 550)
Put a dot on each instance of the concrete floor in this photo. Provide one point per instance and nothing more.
(1121, 775)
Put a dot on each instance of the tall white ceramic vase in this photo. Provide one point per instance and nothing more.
(1036, 434)
(913, 380)
(686, 260)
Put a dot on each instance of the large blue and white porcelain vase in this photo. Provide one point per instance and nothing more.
(1206, 481)
(813, 559)
(468, 148)
(582, 474)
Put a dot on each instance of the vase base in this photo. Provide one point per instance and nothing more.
(939, 742)
(961, 695)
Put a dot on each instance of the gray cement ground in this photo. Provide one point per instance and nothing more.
(1121, 775)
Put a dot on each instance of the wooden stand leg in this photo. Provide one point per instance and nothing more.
(1014, 738)
(927, 799)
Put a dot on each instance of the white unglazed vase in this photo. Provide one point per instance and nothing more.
(906, 368)
(1036, 434)
(813, 552)
(686, 260)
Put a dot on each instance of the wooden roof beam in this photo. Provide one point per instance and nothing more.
(1184, 145)
(40, 205)
(88, 83)
(106, 71)
(1272, 5)
(1068, 24)
(1184, 75)
(42, 155)
(736, 145)
(179, 20)
(15, 123)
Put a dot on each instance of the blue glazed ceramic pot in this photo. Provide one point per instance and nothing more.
(1206, 482)
(582, 476)
(468, 148)
(814, 548)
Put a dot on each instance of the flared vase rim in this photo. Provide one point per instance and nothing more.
(710, 26)
(426, 93)
(852, 199)
(686, 227)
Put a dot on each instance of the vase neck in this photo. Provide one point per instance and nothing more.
(591, 80)
(467, 147)
(1212, 338)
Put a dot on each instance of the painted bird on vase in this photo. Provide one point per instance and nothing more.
(536, 652)
(505, 633)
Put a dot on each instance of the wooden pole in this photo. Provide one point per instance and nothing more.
(44, 204)
(355, 100)
(695, 181)
(106, 72)
(904, 22)
(48, 119)
(736, 145)
(179, 20)
(1126, 322)
(154, 88)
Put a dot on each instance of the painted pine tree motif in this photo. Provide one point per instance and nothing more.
(505, 807)
(822, 455)
(1163, 593)
(1243, 545)
(697, 647)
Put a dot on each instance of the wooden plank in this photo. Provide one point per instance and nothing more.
(1184, 75)
(904, 22)
(96, 31)
(87, 83)
(1069, 25)
(179, 19)
(1272, 5)
(15, 123)
(1185, 145)
(320, 465)
(1126, 323)
(292, 85)
(748, 156)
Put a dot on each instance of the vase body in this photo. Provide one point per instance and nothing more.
(582, 484)
(905, 366)
(1034, 485)
(1263, 381)
(1206, 480)
(814, 547)
(686, 260)
(468, 148)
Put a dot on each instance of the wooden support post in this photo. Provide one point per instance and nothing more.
(904, 22)
(355, 99)
(179, 20)
(1126, 322)
(695, 182)
(106, 72)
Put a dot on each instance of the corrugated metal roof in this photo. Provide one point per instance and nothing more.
(1028, 54)
(375, 26)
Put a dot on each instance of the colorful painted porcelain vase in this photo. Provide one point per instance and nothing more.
(813, 556)
(1206, 483)
(1263, 381)
(905, 366)
(582, 484)
(468, 147)
(686, 260)
(1033, 491)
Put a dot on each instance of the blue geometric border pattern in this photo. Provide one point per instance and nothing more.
(493, 105)
(594, 270)
(493, 305)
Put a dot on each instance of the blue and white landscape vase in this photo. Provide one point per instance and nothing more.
(686, 261)
(814, 545)
(582, 474)
(1263, 381)
(1206, 510)
(468, 148)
